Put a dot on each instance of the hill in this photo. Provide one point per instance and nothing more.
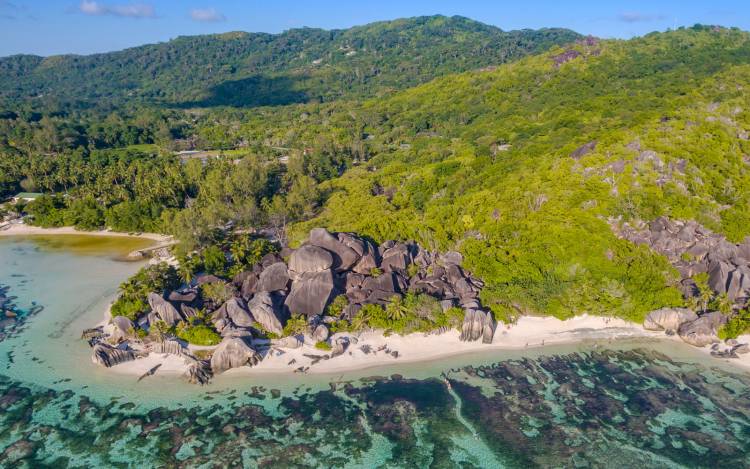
(529, 169)
(253, 69)
(525, 169)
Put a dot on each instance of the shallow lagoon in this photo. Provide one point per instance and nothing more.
(641, 403)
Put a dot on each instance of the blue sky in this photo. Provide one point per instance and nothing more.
(47, 27)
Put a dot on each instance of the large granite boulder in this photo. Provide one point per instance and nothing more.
(163, 309)
(273, 278)
(233, 352)
(188, 296)
(311, 293)
(386, 282)
(265, 312)
(310, 259)
(488, 327)
(249, 284)
(718, 276)
(199, 372)
(320, 333)
(451, 258)
(109, 356)
(344, 257)
(478, 324)
(235, 310)
(704, 330)
(123, 328)
(668, 319)
(396, 258)
(369, 260)
(738, 284)
(290, 342)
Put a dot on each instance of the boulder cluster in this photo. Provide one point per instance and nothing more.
(304, 282)
(693, 249)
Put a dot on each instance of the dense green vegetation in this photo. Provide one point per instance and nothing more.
(487, 168)
(522, 167)
(133, 299)
(244, 69)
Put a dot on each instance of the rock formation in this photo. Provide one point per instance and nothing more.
(109, 356)
(266, 313)
(702, 331)
(693, 249)
(233, 352)
(668, 319)
(311, 292)
(265, 296)
(163, 309)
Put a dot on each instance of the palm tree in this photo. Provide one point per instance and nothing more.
(396, 309)
(159, 329)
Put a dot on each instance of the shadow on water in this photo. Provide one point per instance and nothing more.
(254, 91)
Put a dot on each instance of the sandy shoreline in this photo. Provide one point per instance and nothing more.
(528, 333)
(20, 229)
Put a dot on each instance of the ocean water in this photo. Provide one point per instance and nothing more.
(600, 405)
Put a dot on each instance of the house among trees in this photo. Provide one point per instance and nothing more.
(26, 197)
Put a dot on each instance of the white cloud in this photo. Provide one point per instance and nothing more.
(207, 15)
(637, 17)
(131, 10)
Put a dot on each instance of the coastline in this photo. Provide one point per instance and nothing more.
(529, 333)
(20, 229)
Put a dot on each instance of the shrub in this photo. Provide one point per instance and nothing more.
(133, 301)
(322, 345)
(198, 334)
(131, 308)
(737, 325)
(337, 306)
(218, 292)
(297, 324)
(214, 260)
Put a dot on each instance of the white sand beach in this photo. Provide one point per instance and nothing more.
(529, 332)
(21, 229)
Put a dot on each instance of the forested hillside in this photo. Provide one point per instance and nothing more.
(253, 69)
(526, 168)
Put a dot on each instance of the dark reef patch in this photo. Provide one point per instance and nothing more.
(600, 409)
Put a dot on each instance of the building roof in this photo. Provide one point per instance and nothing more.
(28, 195)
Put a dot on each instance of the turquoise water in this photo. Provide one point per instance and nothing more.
(635, 404)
